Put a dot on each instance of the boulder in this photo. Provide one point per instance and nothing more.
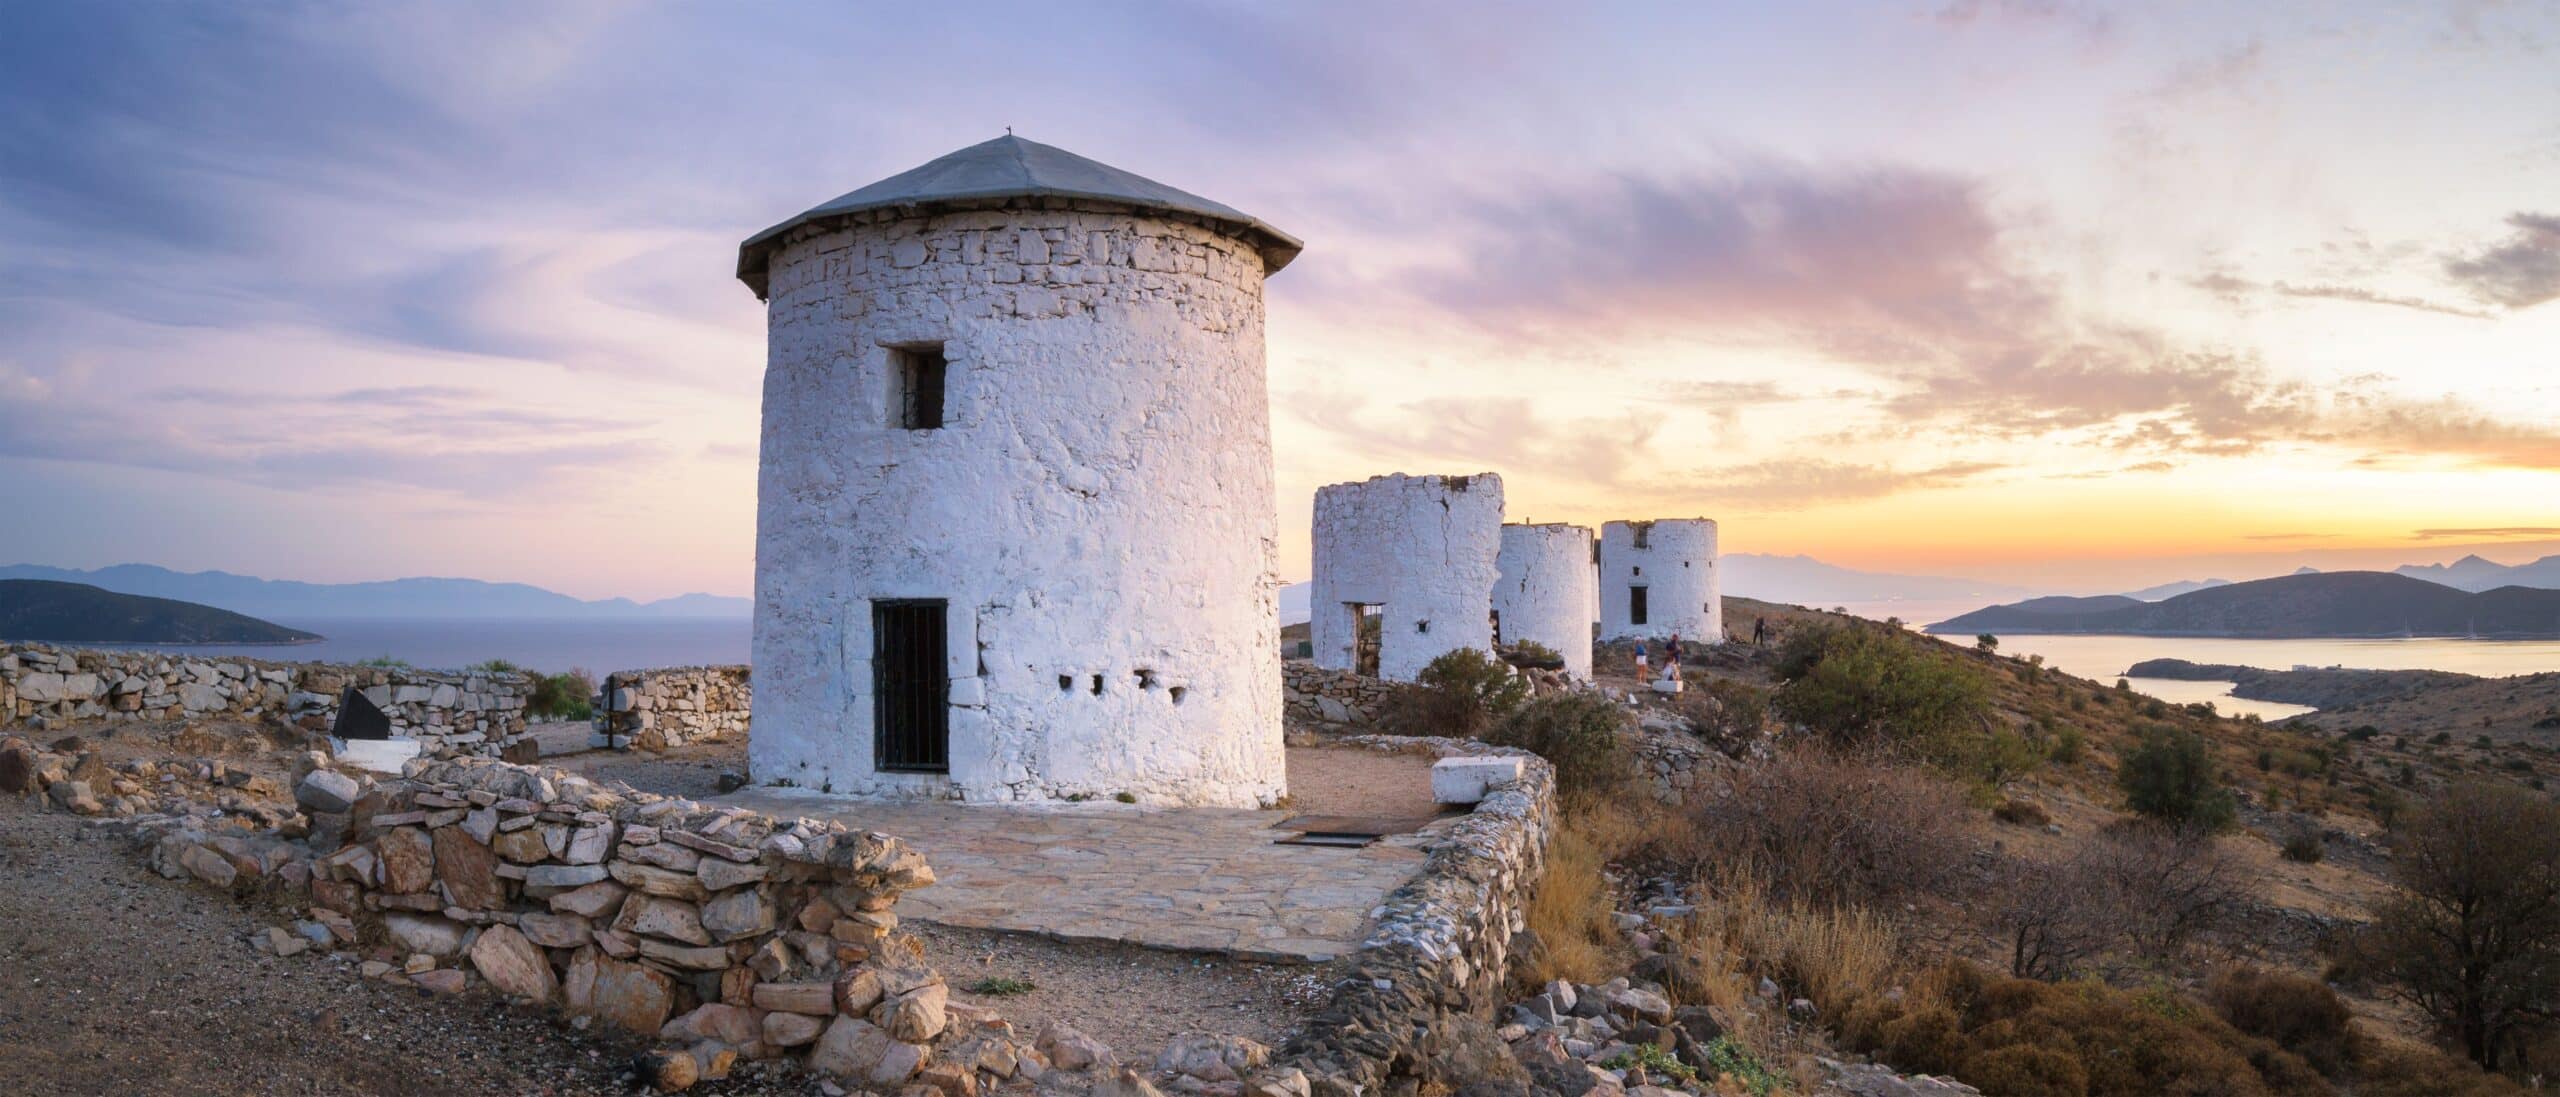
(813, 999)
(740, 913)
(468, 869)
(513, 965)
(408, 859)
(916, 1016)
(1210, 1057)
(208, 866)
(627, 996)
(728, 1024)
(424, 933)
(328, 791)
(783, 1029)
(1069, 1049)
(600, 899)
(672, 919)
(859, 1050)
(555, 930)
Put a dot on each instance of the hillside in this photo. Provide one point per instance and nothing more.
(73, 613)
(403, 598)
(2315, 604)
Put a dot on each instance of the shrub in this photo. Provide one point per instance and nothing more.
(2141, 890)
(1577, 732)
(568, 696)
(1726, 707)
(1532, 655)
(2001, 757)
(387, 662)
(2304, 846)
(2172, 777)
(1839, 957)
(2025, 1070)
(2300, 1015)
(2066, 745)
(2022, 1036)
(2024, 813)
(1458, 694)
(1833, 829)
(2473, 936)
(1857, 685)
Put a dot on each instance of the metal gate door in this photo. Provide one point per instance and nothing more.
(911, 687)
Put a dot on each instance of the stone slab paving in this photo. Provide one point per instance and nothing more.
(1193, 879)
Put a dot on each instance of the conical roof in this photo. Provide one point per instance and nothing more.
(1010, 167)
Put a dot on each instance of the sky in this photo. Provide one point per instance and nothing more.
(2079, 296)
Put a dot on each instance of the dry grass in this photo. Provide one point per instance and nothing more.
(1571, 911)
(1835, 956)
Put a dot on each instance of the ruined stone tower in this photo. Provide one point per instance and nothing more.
(1544, 590)
(1404, 571)
(1015, 536)
(1658, 578)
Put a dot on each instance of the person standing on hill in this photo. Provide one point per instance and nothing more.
(1641, 664)
(1760, 633)
(1671, 658)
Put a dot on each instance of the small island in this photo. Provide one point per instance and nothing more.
(44, 611)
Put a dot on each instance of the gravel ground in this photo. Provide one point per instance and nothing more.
(116, 982)
(1134, 999)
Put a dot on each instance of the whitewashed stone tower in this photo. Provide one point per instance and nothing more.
(1416, 553)
(1658, 578)
(1545, 590)
(1015, 532)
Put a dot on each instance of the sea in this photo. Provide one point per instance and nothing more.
(2104, 658)
(551, 645)
(600, 647)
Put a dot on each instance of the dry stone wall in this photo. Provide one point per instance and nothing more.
(1313, 694)
(672, 706)
(468, 713)
(720, 932)
(1443, 943)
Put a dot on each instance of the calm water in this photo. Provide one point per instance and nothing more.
(546, 644)
(2104, 657)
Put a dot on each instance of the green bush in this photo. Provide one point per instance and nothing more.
(1532, 655)
(1459, 694)
(2172, 777)
(2066, 745)
(2025, 1070)
(1577, 732)
(569, 696)
(2304, 846)
(1857, 685)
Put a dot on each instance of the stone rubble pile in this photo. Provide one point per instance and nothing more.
(671, 706)
(472, 713)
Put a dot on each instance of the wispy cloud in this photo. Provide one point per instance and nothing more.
(2493, 532)
(2519, 273)
(1798, 483)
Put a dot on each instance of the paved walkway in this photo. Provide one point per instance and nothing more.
(1196, 879)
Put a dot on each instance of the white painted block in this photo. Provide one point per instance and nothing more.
(1465, 780)
(377, 755)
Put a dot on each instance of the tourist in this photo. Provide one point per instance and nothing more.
(1760, 633)
(1641, 664)
(1671, 659)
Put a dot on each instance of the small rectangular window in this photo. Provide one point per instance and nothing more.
(915, 386)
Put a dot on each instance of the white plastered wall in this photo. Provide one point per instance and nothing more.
(1097, 510)
(1678, 568)
(1423, 548)
(1544, 590)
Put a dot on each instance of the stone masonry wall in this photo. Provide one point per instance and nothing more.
(1420, 548)
(720, 932)
(1314, 694)
(671, 706)
(470, 713)
(1443, 942)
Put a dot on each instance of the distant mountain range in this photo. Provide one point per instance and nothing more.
(76, 613)
(2172, 590)
(393, 598)
(2476, 574)
(2313, 604)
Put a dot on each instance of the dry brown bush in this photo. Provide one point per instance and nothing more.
(1830, 829)
(2137, 893)
(2301, 1015)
